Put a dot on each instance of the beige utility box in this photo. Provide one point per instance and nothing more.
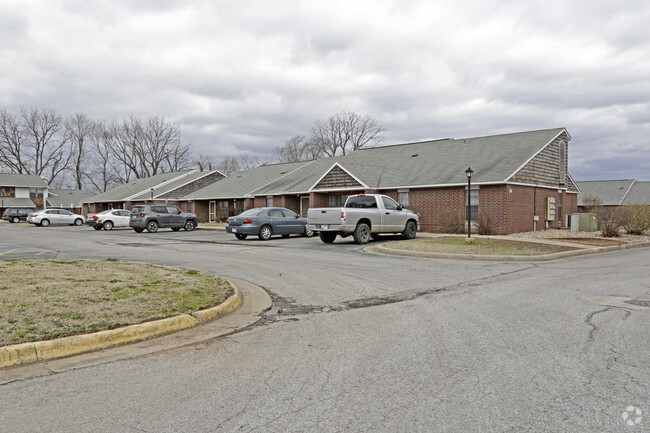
(584, 222)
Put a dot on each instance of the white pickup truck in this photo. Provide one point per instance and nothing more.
(363, 216)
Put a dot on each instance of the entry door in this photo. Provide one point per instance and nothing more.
(212, 211)
(304, 206)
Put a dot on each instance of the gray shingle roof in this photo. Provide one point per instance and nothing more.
(140, 189)
(431, 163)
(639, 193)
(22, 180)
(66, 197)
(611, 192)
(240, 184)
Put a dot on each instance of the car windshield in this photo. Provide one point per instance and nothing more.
(252, 212)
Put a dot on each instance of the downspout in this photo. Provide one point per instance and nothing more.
(534, 208)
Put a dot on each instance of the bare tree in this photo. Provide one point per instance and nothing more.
(205, 162)
(241, 162)
(145, 149)
(345, 132)
(78, 129)
(103, 173)
(32, 143)
(12, 147)
(296, 149)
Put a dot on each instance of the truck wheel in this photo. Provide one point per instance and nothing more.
(409, 230)
(361, 233)
(327, 237)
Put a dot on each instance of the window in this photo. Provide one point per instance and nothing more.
(474, 194)
(35, 193)
(269, 201)
(563, 162)
(189, 206)
(275, 213)
(403, 198)
(337, 200)
(389, 203)
(239, 206)
(289, 213)
(559, 207)
(8, 192)
(222, 209)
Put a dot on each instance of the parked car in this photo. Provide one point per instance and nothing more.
(266, 222)
(45, 217)
(364, 216)
(154, 216)
(15, 214)
(109, 218)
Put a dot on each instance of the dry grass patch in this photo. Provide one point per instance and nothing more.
(45, 299)
(480, 246)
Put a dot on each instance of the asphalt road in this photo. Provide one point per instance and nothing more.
(367, 343)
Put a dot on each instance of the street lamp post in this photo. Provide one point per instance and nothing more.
(469, 173)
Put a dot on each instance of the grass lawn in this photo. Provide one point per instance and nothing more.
(480, 246)
(45, 299)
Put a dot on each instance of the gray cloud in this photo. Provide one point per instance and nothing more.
(244, 77)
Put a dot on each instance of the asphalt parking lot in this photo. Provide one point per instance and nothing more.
(369, 343)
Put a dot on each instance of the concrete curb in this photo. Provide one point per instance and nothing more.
(381, 249)
(27, 353)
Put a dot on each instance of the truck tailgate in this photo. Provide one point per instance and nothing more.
(324, 216)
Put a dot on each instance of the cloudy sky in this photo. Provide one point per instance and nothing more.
(244, 76)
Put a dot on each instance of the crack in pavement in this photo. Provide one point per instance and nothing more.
(594, 328)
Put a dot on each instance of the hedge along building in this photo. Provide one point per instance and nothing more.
(520, 181)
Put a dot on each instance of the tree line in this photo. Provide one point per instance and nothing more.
(97, 155)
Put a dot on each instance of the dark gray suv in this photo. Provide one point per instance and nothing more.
(16, 214)
(154, 216)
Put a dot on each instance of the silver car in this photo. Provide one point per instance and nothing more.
(45, 217)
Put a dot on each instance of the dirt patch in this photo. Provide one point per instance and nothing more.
(480, 246)
(45, 299)
(596, 242)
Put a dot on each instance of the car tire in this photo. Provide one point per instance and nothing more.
(138, 230)
(361, 233)
(15, 220)
(78, 222)
(410, 230)
(265, 233)
(327, 237)
(108, 225)
(45, 223)
(189, 225)
(241, 236)
(175, 229)
(97, 227)
(152, 226)
(308, 233)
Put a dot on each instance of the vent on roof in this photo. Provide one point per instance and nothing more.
(414, 155)
(283, 172)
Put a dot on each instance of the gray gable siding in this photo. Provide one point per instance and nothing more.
(544, 169)
(337, 178)
(196, 185)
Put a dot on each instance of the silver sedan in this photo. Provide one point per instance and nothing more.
(45, 217)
